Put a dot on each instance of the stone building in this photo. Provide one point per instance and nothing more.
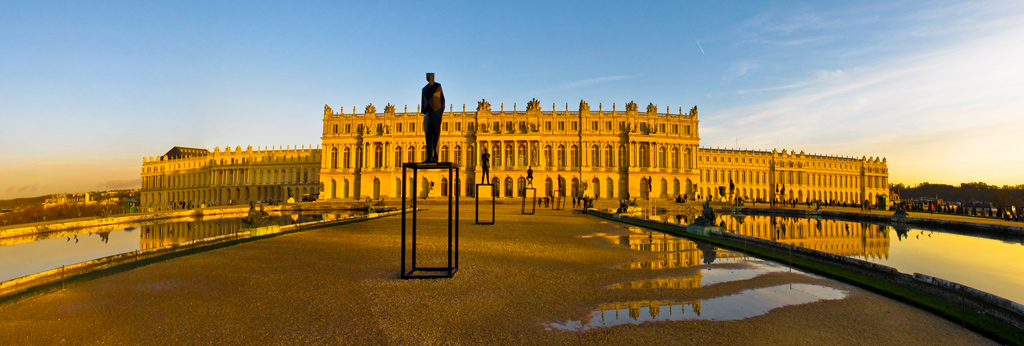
(616, 153)
(185, 177)
(604, 154)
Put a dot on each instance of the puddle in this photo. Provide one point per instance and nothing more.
(707, 276)
(746, 304)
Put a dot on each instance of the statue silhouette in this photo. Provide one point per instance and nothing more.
(485, 164)
(432, 107)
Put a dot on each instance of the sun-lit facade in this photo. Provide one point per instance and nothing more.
(611, 153)
(190, 177)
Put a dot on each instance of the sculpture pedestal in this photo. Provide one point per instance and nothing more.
(490, 191)
(531, 195)
(416, 272)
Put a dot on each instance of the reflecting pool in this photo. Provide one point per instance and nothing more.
(988, 264)
(21, 256)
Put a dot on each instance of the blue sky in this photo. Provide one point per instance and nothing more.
(89, 88)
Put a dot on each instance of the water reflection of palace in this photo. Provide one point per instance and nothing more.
(674, 252)
(654, 309)
(170, 233)
(842, 238)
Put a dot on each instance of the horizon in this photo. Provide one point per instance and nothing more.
(933, 88)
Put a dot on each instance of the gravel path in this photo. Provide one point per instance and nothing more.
(340, 285)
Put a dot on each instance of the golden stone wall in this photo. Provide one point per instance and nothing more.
(761, 174)
(229, 177)
(604, 154)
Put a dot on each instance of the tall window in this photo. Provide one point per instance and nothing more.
(522, 155)
(509, 155)
(608, 156)
(547, 155)
(347, 158)
(595, 155)
(661, 157)
(334, 158)
(444, 154)
(496, 156)
(644, 156)
(574, 158)
(623, 156)
(675, 157)
(561, 156)
(534, 158)
(398, 156)
(412, 153)
(378, 156)
(359, 157)
(458, 154)
(470, 156)
(334, 129)
(423, 153)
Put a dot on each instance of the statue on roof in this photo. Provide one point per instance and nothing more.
(483, 106)
(370, 109)
(533, 105)
(631, 106)
(651, 108)
(389, 109)
(328, 111)
(693, 111)
(584, 107)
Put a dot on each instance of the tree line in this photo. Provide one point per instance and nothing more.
(965, 193)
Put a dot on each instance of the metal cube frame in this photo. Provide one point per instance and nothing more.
(493, 199)
(533, 205)
(416, 272)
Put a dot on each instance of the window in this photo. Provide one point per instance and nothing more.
(359, 157)
(547, 126)
(470, 156)
(661, 128)
(335, 129)
(661, 157)
(522, 155)
(509, 155)
(623, 157)
(593, 125)
(522, 126)
(687, 129)
(458, 152)
(444, 126)
(561, 156)
(496, 127)
(398, 127)
(608, 125)
(378, 156)
(412, 127)
(547, 154)
(496, 156)
(574, 158)
(348, 128)
(595, 154)
(398, 155)
(509, 127)
(561, 126)
(675, 128)
(346, 158)
(645, 156)
(334, 158)
(608, 155)
(458, 127)
(444, 154)
(412, 154)
(575, 126)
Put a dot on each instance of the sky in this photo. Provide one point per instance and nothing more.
(87, 89)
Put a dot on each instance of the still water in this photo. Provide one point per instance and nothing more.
(992, 265)
(23, 256)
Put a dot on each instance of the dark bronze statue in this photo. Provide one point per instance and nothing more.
(432, 107)
(485, 165)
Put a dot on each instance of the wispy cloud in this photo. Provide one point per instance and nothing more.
(583, 83)
(946, 109)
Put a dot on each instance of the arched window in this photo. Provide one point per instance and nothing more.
(412, 153)
(574, 157)
(521, 186)
(675, 158)
(595, 156)
(547, 156)
(561, 156)
(496, 156)
(334, 158)
(661, 157)
(346, 157)
(444, 186)
(458, 156)
(608, 157)
(644, 156)
(470, 156)
(509, 154)
(359, 156)
(398, 156)
(378, 156)
(444, 154)
(423, 153)
(521, 153)
(687, 158)
(508, 186)
(623, 156)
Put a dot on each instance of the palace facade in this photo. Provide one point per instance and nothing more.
(191, 177)
(616, 153)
